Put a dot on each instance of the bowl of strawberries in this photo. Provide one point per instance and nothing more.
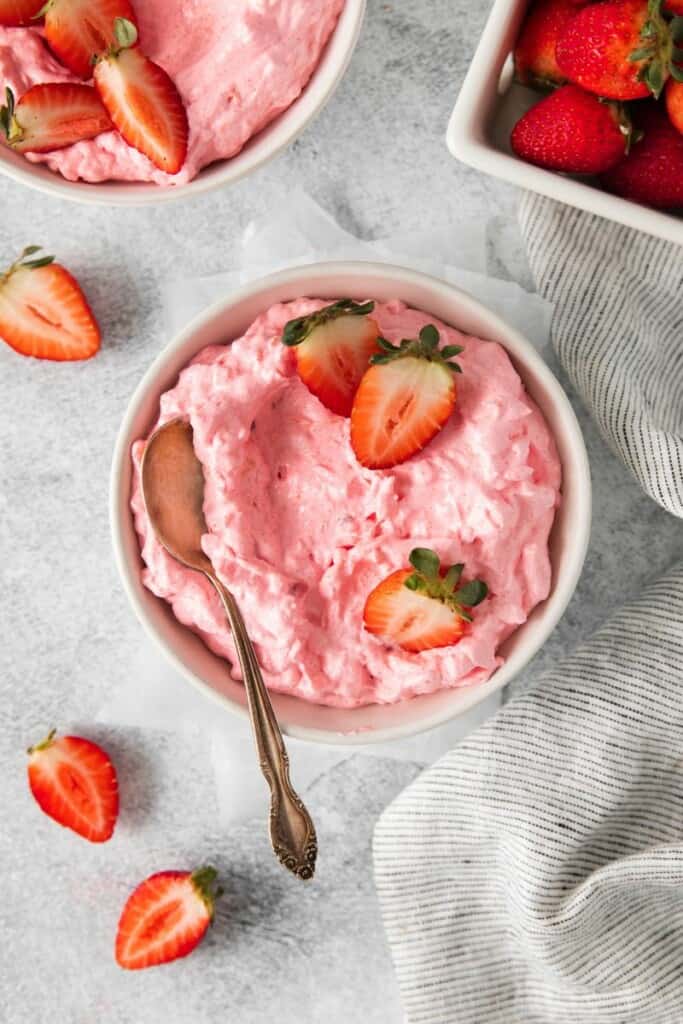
(582, 102)
(397, 493)
(112, 101)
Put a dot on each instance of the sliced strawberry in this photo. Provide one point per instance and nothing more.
(333, 349)
(403, 400)
(423, 607)
(165, 917)
(142, 101)
(19, 12)
(52, 116)
(79, 30)
(44, 313)
(75, 783)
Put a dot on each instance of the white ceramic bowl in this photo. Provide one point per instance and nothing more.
(488, 106)
(227, 320)
(262, 147)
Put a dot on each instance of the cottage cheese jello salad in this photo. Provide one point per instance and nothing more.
(379, 492)
(104, 90)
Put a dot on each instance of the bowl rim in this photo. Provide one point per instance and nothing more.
(467, 139)
(258, 150)
(564, 586)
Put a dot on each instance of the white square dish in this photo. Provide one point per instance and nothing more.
(489, 104)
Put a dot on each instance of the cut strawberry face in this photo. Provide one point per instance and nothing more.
(19, 12)
(75, 783)
(422, 608)
(79, 30)
(52, 116)
(403, 400)
(333, 349)
(165, 918)
(44, 313)
(142, 101)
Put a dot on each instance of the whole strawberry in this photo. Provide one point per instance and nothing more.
(673, 99)
(620, 49)
(652, 173)
(535, 61)
(573, 131)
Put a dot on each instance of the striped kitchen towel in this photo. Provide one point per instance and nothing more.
(535, 874)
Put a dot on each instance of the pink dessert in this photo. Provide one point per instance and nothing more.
(301, 532)
(237, 65)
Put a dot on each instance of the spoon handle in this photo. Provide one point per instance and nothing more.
(292, 832)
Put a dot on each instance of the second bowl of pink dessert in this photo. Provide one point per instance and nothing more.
(251, 76)
(301, 532)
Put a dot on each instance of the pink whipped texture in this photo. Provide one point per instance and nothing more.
(301, 532)
(237, 65)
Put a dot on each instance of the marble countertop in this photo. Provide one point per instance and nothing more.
(377, 161)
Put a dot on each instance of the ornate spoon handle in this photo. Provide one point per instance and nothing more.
(292, 833)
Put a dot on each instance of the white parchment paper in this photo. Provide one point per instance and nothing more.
(154, 695)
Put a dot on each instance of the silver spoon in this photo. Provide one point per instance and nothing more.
(173, 489)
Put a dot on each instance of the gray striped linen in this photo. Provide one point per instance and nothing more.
(535, 874)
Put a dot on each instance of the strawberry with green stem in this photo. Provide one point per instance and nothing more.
(77, 31)
(652, 173)
(43, 311)
(51, 116)
(404, 399)
(166, 917)
(74, 782)
(618, 49)
(573, 131)
(424, 607)
(333, 348)
(142, 100)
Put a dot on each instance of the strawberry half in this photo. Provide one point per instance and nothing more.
(75, 783)
(333, 350)
(52, 116)
(423, 607)
(19, 12)
(142, 101)
(77, 31)
(573, 131)
(165, 918)
(618, 49)
(43, 312)
(403, 400)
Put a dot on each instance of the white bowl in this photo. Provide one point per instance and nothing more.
(488, 106)
(258, 150)
(227, 320)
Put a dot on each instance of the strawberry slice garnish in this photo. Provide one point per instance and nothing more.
(403, 400)
(165, 917)
(74, 782)
(52, 116)
(424, 607)
(333, 349)
(43, 312)
(77, 31)
(142, 101)
(19, 12)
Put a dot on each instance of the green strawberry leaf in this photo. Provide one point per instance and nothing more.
(472, 593)
(425, 561)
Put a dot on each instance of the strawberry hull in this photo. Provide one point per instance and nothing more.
(302, 532)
